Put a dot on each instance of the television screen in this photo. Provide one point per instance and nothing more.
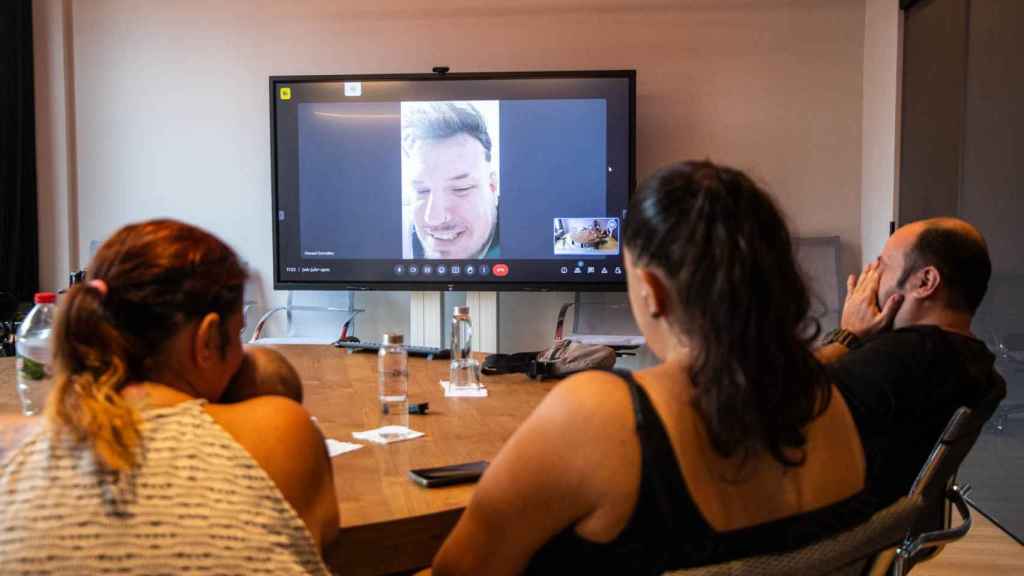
(505, 181)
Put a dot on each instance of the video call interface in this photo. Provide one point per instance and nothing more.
(455, 181)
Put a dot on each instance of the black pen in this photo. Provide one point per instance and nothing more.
(420, 408)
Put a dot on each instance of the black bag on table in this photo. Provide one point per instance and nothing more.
(564, 358)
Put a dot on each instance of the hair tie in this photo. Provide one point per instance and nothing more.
(99, 285)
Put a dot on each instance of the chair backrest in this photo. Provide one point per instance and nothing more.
(819, 260)
(938, 475)
(603, 313)
(939, 471)
(308, 317)
(849, 553)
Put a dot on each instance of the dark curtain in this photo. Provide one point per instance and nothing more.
(19, 223)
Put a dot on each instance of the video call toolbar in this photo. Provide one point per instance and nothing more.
(497, 270)
(450, 269)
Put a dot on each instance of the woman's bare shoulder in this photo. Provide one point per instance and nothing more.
(278, 433)
(585, 410)
(584, 402)
(280, 436)
(595, 388)
(266, 421)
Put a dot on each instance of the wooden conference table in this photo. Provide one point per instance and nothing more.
(388, 523)
(587, 238)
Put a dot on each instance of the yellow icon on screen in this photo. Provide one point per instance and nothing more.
(286, 93)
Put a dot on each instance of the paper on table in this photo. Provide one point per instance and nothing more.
(480, 392)
(336, 447)
(387, 434)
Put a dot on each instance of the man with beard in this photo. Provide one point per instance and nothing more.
(450, 181)
(905, 358)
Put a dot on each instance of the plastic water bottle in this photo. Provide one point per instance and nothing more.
(35, 355)
(393, 381)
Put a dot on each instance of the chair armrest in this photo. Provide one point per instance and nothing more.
(258, 331)
(928, 540)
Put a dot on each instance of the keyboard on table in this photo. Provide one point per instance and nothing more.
(424, 351)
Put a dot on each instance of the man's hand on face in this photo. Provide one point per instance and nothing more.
(860, 311)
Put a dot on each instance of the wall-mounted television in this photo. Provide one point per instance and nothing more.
(452, 181)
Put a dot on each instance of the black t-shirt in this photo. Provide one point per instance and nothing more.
(902, 388)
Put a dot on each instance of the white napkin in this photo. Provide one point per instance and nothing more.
(387, 434)
(336, 447)
(480, 392)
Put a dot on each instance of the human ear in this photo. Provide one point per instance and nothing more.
(928, 282)
(653, 292)
(207, 344)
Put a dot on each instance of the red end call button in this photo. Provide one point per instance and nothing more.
(500, 269)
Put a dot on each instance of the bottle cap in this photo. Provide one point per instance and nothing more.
(45, 297)
(392, 338)
(461, 311)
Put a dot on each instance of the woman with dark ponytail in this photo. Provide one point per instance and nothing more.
(735, 445)
(136, 470)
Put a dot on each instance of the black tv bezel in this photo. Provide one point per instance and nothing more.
(502, 286)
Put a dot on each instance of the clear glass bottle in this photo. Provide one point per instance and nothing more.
(393, 381)
(465, 370)
(35, 354)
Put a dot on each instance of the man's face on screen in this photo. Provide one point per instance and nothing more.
(455, 197)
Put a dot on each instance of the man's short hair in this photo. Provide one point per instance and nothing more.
(962, 261)
(439, 120)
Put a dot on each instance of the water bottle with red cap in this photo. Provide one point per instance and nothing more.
(35, 355)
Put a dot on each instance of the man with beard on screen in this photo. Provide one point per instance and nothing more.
(450, 181)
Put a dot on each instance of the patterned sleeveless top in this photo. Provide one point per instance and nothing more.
(196, 503)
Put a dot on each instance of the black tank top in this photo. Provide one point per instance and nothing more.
(666, 530)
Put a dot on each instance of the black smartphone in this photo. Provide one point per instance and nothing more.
(447, 475)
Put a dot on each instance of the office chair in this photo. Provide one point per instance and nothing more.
(309, 318)
(603, 319)
(936, 486)
(854, 552)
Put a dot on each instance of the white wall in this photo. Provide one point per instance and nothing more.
(54, 131)
(881, 86)
(172, 113)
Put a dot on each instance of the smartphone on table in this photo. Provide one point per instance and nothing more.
(447, 475)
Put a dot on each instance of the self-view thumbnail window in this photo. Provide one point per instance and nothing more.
(581, 236)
